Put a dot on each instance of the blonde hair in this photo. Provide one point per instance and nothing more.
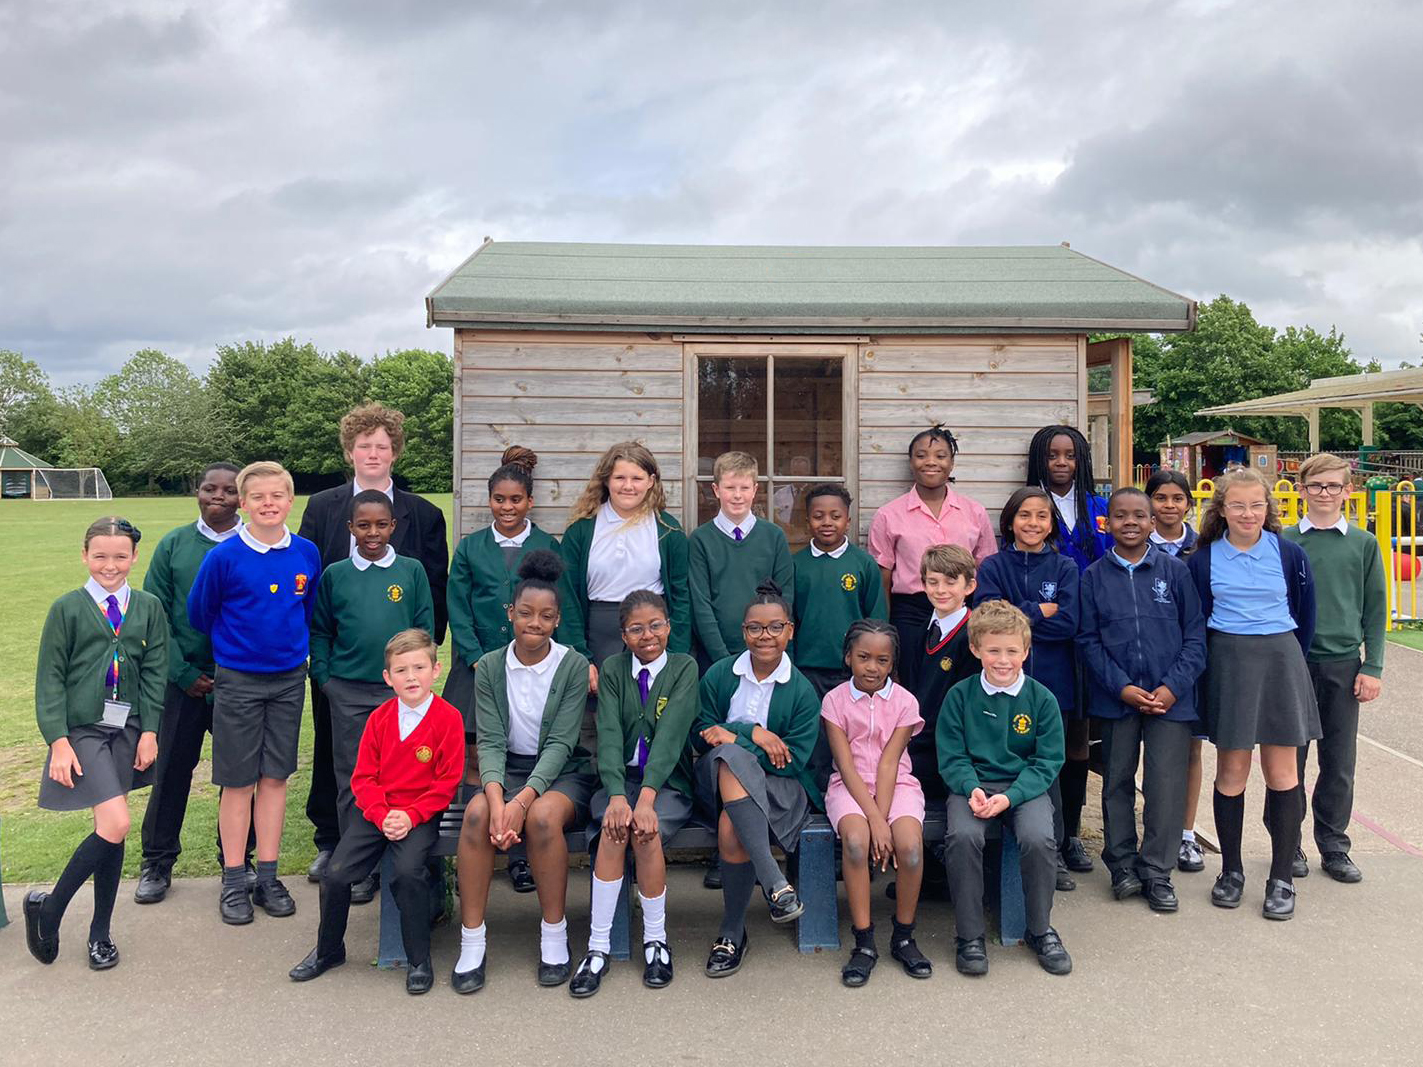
(998, 617)
(1323, 463)
(263, 468)
(595, 494)
(368, 418)
(1213, 524)
(735, 463)
(412, 640)
(952, 561)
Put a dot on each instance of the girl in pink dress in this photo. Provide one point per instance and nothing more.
(874, 801)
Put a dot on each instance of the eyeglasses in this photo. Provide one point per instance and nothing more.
(656, 628)
(1324, 488)
(755, 629)
(1257, 508)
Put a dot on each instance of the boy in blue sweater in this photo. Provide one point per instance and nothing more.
(1143, 641)
(253, 597)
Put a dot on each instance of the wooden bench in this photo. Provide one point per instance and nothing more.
(814, 871)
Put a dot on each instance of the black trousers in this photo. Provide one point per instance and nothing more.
(186, 720)
(1336, 751)
(1032, 826)
(321, 797)
(357, 855)
(349, 704)
(1163, 748)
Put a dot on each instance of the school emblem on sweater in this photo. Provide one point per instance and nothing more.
(1101, 524)
(1161, 590)
(300, 584)
(273, 587)
(1048, 590)
(424, 753)
(1022, 723)
(394, 594)
(849, 582)
(661, 703)
(947, 663)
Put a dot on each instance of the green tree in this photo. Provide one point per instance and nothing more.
(420, 384)
(26, 401)
(85, 436)
(163, 416)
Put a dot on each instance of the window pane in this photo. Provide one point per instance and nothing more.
(809, 417)
(731, 410)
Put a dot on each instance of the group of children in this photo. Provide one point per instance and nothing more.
(631, 678)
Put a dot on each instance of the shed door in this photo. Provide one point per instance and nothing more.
(790, 406)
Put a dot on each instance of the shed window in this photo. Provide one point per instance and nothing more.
(787, 411)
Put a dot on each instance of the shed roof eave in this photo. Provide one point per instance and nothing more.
(774, 324)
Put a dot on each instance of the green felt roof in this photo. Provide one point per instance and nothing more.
(823, 290)
(13, 458)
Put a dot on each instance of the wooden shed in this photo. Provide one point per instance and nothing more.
(820, 361)
(1206, 453)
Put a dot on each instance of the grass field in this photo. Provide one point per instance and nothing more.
(40, 542)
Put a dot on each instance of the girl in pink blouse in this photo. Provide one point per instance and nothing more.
(874, 801)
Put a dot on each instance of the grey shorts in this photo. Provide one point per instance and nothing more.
(256, 721)
(577, 786)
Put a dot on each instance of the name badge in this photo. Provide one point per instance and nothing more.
(116, 714)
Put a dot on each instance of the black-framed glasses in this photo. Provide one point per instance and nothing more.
(1324, 488)
(657, 627)
(755, 629)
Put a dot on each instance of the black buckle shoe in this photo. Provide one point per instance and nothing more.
(856, 971)
(971, 956)
(1074, 853)
(658, 972)
(726, 957)
(712, 879)
(785, 905)
(419, 978)
(1299, 867)
(103, 955)
(234, 904)
(317, 870)
(1340, 867)
(1125, 884)
(42, 948)
(1190, 858)
(587, 978)
(1279, 900)
(153, 884)
(553, 974)
(1065, 882)
(914, 962)
(314, 966)
(520, 877)
(364, 891)
(1160, 895)
(1229, 885)
(1051, 953)
(467, 982)
(274, 899)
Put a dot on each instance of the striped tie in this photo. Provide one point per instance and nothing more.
(116, 621)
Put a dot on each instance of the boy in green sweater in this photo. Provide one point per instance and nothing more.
(1352, 606)
(1000, 745)
(836, 583)
(729, 556)
(361, 603)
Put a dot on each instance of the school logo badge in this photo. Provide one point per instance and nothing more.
(1048, 590)
(1022, 723)
(424, 753)
(394, 594)
(1161, 590)
(661, 704)
(301, 580)
(273, 587)
(1101, 524)
(849, 583)
(947, 663)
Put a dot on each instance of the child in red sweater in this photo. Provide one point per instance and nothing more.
(410, 763)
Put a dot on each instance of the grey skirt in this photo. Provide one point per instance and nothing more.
(1258, 691)
(672, 806)
(781, 799)
(106, 757)
(605, 633)
(459, 691)
(577, 786)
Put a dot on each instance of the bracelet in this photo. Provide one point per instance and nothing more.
(515, 800)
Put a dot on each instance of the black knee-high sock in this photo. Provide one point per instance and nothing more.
(81, 865)
(755, 834)
(1229, 825)
(106, 890)
(1074, 796)
(1286, 814)
(737, 882)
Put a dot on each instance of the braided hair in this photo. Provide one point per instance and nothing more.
(860, 627)
(516, 465)
(640, 598)
(768, 592)
(1082, 534)
(937, 432)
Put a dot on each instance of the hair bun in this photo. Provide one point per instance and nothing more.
(541, 565)
(768, 587)
(519, 456)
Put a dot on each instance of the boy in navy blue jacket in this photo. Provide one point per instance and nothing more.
(254, 596)
(1143, 641)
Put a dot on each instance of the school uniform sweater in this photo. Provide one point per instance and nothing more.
(1189, 537)
(419, 775)
(559, 751)
(172, 569)
(1351, 596)
(665, 722)
(1027, 580)
(1088, 538)
(793, 716)
(573, 585)
(482, 580)
(1299, 586)
(723, 576)
(942, 664)
(1000, 738)
(358, 611)
(1141, 627)
(256, 606)
(77, 646)
(830, 594)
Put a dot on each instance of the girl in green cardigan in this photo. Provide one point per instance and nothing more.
(620, 539)
(528, 704)
(757, 728)
(646, 705)
(103, 666)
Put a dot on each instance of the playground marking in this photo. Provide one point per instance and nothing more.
(1391, 751)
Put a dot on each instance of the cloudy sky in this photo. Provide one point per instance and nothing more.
(181, 175)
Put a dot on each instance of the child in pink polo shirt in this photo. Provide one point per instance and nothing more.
(931, 513)
(874, 801)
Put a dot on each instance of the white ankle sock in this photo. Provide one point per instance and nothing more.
(600, 922)
(553, 941)
(1188, 835)
(654, 917)
(471, 948)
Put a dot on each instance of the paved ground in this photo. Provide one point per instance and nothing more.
(1337, 984)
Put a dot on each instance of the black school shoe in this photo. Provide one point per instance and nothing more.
(658, 972)
(467, 982)
(1125, 884)
(1190, 858)
(153, 884)
(103, 955)
(1340, 867)
(587, 979)
(1065, 882)
(1229, 885)
(553, 974)
(364, 891)
(234, 904)
(971, 956)
(856, 971)
(1160, 895)
(42, 948)
(274, 899)
(712, 879)
(419, 978)
(1279, 900)
(1299, 868)
(1074, 854)
(317, 870)
(785, 905)
(314, 966)
(1052, 956)
(726, 957)
(520, 877)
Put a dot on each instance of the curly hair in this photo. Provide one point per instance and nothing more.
(595, 494)
(1213, 524)
(370, 417)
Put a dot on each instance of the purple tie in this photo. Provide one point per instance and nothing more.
(116, 620)
(736, 532)
(644, 683)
